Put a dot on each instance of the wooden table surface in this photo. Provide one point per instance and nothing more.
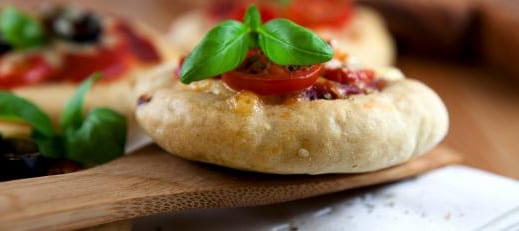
(483, 106)
(483, 109)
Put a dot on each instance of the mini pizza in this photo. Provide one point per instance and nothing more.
(46, 54)
(358, 30)
(277, 98)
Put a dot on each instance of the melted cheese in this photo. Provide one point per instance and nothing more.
(244, 102)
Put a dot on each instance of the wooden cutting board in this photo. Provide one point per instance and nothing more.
(151, 181)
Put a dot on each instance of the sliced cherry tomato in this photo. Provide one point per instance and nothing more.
(112, 62)
(308, 13)
(142, 48)
(225, 9)
(259, 75)
(31, 70)
(350, 77)
(322, 13)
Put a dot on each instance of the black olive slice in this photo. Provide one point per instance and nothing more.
(73, 25)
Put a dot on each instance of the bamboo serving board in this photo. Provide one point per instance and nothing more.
(151, 181)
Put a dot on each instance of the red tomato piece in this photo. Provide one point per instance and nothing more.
(142, 48)
(112, 62)
(350, 77)
(308, 13)
(321, 90)
(319, 13)
(33, 69)
(259, 75)
(225, 9)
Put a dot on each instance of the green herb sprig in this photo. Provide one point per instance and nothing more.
(225, 46)
(21, 30)
(97, 138)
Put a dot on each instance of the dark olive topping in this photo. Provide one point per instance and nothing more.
(18, 145)
(19, 158)
(4, 46)
(73, 25)
(3, 146)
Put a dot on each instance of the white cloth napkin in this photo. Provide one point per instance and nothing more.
(450, 198)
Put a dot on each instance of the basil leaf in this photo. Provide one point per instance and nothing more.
(252, 18)
(100, 138)
(222, 49)
(12, 106)
(72, 115)
(21, 30)
(15, 108)
(96, 139)
(51, 147)
(286, 43)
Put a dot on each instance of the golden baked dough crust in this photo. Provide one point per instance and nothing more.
(205, 121)
(365, 37)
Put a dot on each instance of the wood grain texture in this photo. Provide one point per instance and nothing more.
(483, 109)
(152, 181)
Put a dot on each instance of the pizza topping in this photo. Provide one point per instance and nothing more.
(321, 90)
(236, 10)
(80, 43)
(20, 30)
(142, 48)
(260, 75)
(112, 61)
(245, 102)
(20, 158)
(32, 69)
(329, 89)
(317, 14)
(281, 60)
(283, 42)
(96, 138)
(73, 25)
(308, 13)
(351, 77)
